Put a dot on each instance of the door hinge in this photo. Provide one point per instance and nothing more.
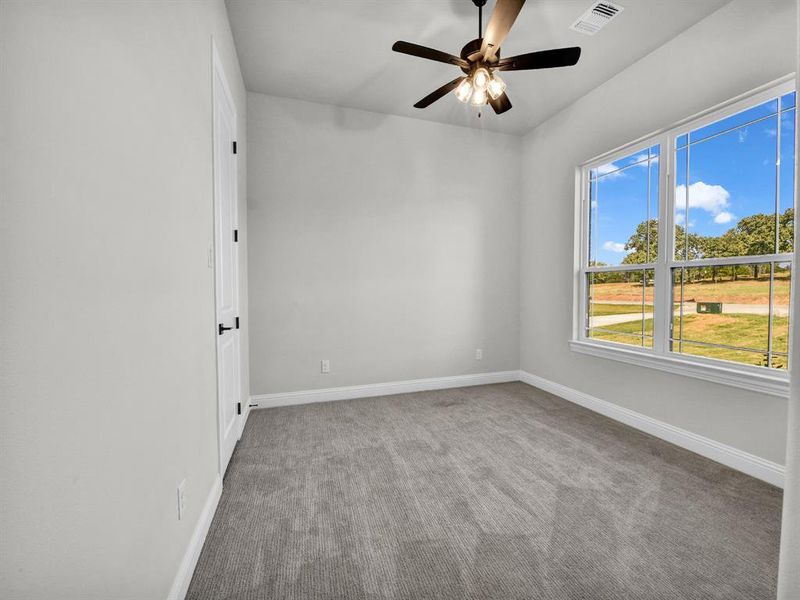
(237, 322)
(238, 408)
(235, 235)
(234, 148)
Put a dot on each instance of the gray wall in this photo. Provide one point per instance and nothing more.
(108, 346)
(385, 244)
(789, 569)
(745, 44)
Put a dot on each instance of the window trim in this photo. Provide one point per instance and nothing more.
(759, 379)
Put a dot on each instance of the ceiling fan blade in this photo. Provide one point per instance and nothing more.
(440, 93)
(546, 59)
(503, 16)
(429, 53)
(501, 104)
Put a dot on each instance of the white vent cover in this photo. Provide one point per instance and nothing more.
(598, 16)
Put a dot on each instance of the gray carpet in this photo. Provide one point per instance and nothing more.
(500, 491)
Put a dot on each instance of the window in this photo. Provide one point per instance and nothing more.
(685, 246)
(623, 234)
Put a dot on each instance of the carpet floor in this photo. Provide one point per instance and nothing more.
(499, 491)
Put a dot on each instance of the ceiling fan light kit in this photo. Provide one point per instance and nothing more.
(480, 58)
(496, 87)
(464, 90)
(479, 97)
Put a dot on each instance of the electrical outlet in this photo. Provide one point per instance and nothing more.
(325, 365)
(181, 499)
(478, 354)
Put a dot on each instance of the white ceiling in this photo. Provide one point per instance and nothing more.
(339, 52)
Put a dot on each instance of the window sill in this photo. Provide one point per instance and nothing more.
(749, 378)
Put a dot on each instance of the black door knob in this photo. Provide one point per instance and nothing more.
(222, 329)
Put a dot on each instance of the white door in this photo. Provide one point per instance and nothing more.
(226, 266)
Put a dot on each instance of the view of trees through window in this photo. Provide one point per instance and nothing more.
(729, 269)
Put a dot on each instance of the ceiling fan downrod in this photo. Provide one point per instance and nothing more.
(479, 4)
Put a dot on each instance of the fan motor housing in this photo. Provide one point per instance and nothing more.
(472, 54)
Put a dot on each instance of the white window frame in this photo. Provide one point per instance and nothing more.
(761, 379)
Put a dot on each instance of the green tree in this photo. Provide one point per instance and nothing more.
(756, 234)
(786, 231)
(692, 244)
(752, 235)
(643, 244)
(728, 244)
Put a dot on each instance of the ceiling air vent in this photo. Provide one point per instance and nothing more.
(597, 17)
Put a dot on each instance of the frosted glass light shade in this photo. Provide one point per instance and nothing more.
(496, 87)
(464, 90)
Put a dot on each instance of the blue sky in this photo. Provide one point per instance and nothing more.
(731, 176)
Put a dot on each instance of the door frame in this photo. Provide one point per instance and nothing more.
(221, 91)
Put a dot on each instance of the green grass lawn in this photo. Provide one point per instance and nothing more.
(599, 310)
(740, 330)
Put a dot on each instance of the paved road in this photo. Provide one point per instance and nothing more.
(606, 320)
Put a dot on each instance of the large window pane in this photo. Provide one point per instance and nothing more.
(726, 186)
(652, 223)
(649, 303)
(620, 307)
(787, 177)
(732, 190)
(623, 210)
(681, 194)
(746, 116)
(780, 315)
(723, 312)
(729, 354)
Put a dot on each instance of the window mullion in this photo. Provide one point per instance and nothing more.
(778, 179)
(724, 261)
(620, 268)
(662, 292)
(585, 197)
(771, 304)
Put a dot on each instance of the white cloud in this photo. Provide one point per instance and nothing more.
(724, 217)
(613, 170)
(714, 199)
(614, 247)
(641, 159)
(594, 203)
(609, 169)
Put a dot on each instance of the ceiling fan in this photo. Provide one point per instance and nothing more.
(480, 58)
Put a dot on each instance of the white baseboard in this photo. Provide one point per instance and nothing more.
(727, 455)
(183, 578)
(381, 389)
